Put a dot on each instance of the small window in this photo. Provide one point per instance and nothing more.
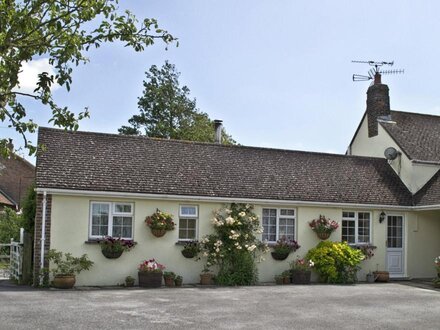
(278, 223)
(188, 216)
(356, 227)
(111, 219)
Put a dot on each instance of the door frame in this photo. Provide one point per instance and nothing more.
(403, 274)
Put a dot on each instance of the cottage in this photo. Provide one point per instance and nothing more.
(94, 184)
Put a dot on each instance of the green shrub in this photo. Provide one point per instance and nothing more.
(10, 224)
(335, 262)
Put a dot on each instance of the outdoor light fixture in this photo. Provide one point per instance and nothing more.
(382, 217)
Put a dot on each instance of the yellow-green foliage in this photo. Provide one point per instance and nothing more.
(335, 262)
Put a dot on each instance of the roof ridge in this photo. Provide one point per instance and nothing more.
(416, 113)
(217, 145)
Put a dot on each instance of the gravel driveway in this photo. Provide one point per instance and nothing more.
(362, 306)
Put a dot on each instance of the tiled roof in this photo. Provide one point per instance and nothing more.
(417, 134)
(5, 199)
(115, 163)
(430, 193)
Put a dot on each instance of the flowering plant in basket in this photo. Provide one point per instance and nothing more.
(118, 244)
(285, 246)
(160, 220)
(323, 225)
(150, 266)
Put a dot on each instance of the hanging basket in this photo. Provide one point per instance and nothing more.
(158, 232)
(150, 279)
(323, 235)
(279, 256)
(301, 276)
(109, 254)
(188, 254)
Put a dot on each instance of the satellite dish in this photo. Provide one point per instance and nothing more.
(391, 153)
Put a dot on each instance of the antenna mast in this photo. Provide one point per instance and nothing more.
(376, 72)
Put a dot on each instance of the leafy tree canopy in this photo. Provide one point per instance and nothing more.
(62, 30)
(167, 111)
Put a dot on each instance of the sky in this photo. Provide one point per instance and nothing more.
(278, 73)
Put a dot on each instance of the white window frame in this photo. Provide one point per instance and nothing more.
(278, 209)
(112, 213)
(186, 217)
(356, 226)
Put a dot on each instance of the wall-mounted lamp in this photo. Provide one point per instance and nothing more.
(382, 217)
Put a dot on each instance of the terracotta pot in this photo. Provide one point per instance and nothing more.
(206, 279)
(150, 279)
(279, 256)
(323, 236)
(381, 276)
(158, 232)
(169, 281)
(301, 276)
(188, 254)
(286, 280)
(64, 281)
(109, 254)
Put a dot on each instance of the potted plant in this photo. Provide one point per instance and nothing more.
(160, 222)
(279, 279)
(112, 248)
(286, 276)
(150, 274)
(129, 281)
(66, 266)
(206, 277)
(301, 270)
(169, 278)
(283, 247)
(436, 281)
(190, 249)
(178, 281)
(323, 227)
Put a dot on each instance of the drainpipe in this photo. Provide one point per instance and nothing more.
(43, 234)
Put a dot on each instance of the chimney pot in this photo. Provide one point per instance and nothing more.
(218, 130)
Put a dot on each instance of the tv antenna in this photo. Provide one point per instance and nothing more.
(377, 70)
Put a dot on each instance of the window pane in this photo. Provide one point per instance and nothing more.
(187, 228)
(122, 208)
(100, 217)
(188, 210)
(286, 228)
(122, 226)
(287, 212)
(269, 224)
(348, 231)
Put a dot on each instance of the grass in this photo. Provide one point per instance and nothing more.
(4, 265)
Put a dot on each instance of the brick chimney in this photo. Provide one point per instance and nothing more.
(378, 104)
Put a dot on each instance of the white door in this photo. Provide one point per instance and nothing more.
(395, 246)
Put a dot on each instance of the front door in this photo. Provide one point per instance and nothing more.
(395, 245)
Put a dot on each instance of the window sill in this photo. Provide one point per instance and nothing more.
(97, 241)
(182, 242)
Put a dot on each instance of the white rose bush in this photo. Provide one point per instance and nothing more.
(234, 247)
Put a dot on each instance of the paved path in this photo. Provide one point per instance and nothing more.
(362, 306)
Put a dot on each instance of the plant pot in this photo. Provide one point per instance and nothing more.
(286, 280)
(64, 281)
(150, 279)
(301, 276)
(188, 254)
(381, 276)
(279, 280)
(279, 256)
(129, 284)
(158, 232)
(178, 282)
(323, 236)
(370, 278)
(206, 279)
(109, 254)
(169, 282)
